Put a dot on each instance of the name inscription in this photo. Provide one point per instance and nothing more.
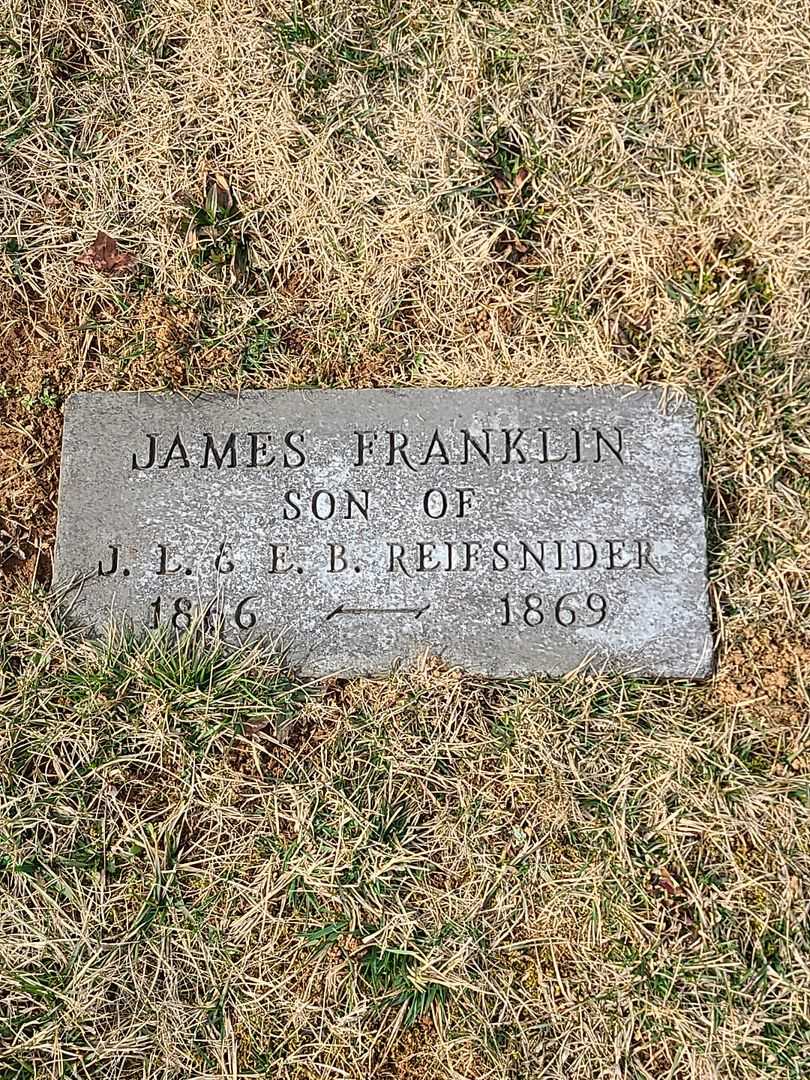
(508, 446)
(510, 531)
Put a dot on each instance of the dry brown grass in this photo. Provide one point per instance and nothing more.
(211, 872)
(204, 874)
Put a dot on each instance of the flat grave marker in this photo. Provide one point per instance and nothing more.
(510, 531)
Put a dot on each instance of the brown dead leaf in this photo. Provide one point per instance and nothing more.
(507, 188)
(219, 195)
(521, 176)
(668, 883)
(103, 255)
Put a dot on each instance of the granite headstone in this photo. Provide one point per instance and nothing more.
(510, 531)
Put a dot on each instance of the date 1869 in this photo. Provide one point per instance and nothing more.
(566, 610)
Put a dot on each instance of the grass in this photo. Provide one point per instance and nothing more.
(210, 870)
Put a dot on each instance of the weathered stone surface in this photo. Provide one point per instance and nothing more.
(509, 531)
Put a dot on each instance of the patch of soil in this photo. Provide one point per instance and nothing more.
(765, 667)
(411, 1057)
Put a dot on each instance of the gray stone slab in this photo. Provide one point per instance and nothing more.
(509, 531)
